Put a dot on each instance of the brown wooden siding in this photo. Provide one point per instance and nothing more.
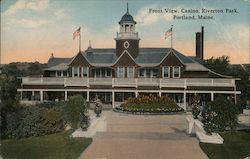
(125, 60)
(79, 60)
(133, 48)
(195, 74)
(211, 88)
(171, 60)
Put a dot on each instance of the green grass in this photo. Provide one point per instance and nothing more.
(55, 146)
(236, 145)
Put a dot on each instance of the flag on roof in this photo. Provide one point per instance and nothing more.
(77, 33)
(168, 33)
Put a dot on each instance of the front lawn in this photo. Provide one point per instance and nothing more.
(236, 145)
(55, 146)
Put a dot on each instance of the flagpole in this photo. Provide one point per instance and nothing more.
(172, 37)
(80, 41)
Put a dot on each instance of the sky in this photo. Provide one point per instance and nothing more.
(31, 30)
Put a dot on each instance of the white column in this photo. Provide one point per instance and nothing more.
(72, 72)
(136, 94)
(235, 96)
(65, 95)
(113, 99)
(21, 95)
(41, 96)
(82, 72)
(185, 100)
(33, 93)
(160, 93)
(78, 71)
(61, 73)
(87, 95)
(212, 96)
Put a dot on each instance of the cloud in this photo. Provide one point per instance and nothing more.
(26, 23)
(145, 18)
(35, 5)
(61, 13)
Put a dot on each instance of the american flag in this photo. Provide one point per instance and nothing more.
(168, 33)
(77, 33)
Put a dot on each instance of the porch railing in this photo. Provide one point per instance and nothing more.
(130, 82)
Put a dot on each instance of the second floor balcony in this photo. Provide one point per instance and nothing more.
(130, 82)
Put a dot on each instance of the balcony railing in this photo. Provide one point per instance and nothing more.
(127, 35)
(130, 82)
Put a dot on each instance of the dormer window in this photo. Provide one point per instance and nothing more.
(176, 72)
(166, 72)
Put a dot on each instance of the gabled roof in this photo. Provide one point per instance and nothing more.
(55, 61)
(148, 57)
(100, 56)
(151, 55)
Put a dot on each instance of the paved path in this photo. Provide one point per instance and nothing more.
(143, 137)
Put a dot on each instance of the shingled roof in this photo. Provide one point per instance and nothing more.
(107, 57)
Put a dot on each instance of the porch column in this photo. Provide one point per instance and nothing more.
(160, 93)
(21, 95)
(87, 95)
(235, 96)
(72, 72)
(41, 96)
(113, 99)
(184, 100)
(65, 95)
(212, 96)
(136, 94)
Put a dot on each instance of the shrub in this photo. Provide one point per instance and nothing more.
(219, 115)
(33, 121)
(53, 121)
(196, 106)
(71, 111)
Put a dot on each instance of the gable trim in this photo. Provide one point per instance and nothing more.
(168, 53)
(76, 56)
(125, 51)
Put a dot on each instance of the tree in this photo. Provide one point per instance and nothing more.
(219, 65)
(219, 115)
(8, 98)
(72, 110)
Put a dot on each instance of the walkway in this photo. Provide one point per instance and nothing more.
(143, 137)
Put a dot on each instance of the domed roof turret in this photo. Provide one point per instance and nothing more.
(127, 17)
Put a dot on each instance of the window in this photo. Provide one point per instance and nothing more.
(142, 73)
(166, 72)
(176, 72)
(65, 73)
(59, 73)
(155, 72)
(120, 72)
(84, 71)
(130, 72)
(76, 71)
(108, 72)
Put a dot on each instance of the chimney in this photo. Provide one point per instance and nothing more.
(200, 43)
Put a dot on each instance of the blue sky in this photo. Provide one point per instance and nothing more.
(32, 30)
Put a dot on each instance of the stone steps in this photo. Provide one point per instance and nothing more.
(142, 135)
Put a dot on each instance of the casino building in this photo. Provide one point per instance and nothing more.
(115, 74)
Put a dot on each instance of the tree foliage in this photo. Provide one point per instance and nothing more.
(72, 110)
(219, 115)
(219, 65)
(33, 121)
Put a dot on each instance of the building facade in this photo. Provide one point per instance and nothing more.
(115, 74)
